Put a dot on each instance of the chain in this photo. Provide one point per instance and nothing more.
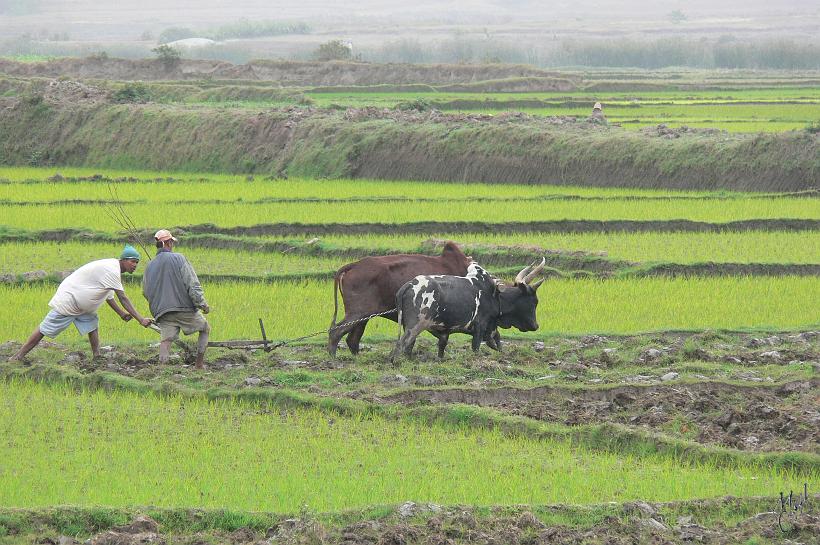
(361, 319)
(289, 341)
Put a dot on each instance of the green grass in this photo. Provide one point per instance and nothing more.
(292, 309)
(121, 449)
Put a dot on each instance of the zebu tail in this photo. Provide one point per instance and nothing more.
(337, 288)
(399, 297)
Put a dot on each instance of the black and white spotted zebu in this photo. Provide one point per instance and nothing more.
(475, 304)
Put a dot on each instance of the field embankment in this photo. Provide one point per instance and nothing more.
(300, 73)
(391, 144)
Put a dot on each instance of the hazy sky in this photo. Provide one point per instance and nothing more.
(376, 21)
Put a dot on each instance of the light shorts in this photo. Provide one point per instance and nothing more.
(189, 322)
(55, 323)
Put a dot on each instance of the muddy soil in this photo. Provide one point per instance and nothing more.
(411, 523)
(755, 418)
(752, 392)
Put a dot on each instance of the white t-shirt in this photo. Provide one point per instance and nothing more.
(84, 290)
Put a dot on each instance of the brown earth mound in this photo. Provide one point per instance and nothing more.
(754, 418)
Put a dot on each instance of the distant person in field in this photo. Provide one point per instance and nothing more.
(80, 295)
(597, 115)
(175, 297)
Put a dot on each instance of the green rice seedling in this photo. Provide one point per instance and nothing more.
(673, 247)
(120, 449)
(17, 258)
(28, 184)
(728, 247)
(154, 215)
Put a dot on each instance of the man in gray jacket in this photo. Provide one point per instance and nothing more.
(175, 298)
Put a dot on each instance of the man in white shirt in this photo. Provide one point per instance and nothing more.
(81, 294)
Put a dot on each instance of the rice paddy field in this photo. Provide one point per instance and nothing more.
(733, 110)
(722, 286)
(212, 454)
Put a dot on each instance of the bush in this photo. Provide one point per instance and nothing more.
(136, 93)
(418, 105)
(169, 56)
(813, 127)
(334, 50)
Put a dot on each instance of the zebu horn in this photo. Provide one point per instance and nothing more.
(531, 272)
(519, 278)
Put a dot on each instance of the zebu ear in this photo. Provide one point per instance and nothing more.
(535, 286)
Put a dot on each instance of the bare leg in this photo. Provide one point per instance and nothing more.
(201, 346)
(165, 350)
(94, 341)
(32, 341)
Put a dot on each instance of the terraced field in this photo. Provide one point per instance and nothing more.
(734, 110)
(676, 361)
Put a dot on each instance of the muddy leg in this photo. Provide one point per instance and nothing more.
(201, 346)
(493, 340)
(165, 350)
(94, 341)
(410, 336)
(355, 336)
(405, 342)
(32, 341)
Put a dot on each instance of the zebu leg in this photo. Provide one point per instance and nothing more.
(355, 336)
(478, 336)
(493, 340)
(442, 344)
(408, 340)
(337, 332)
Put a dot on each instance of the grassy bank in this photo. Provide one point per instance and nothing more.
(373, 145)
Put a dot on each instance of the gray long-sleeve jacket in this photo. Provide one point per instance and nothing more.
(170, 284)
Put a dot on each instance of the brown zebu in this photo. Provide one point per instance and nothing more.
(369, 286)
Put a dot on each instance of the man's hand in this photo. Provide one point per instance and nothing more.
(145, 322)
(205, 309)
(125, 317)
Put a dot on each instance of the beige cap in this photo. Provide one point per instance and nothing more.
(597, 106)
(163, 235)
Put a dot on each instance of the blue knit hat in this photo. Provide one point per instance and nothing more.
(129, 252)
